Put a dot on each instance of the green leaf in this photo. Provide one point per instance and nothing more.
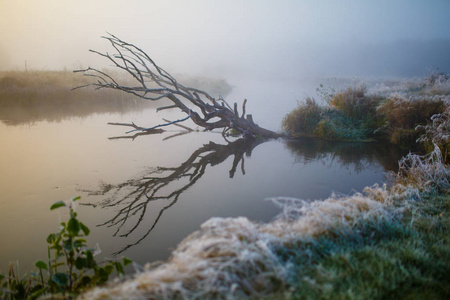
(60, 278)
(76, 198)
(85, 229)
(126, 261)
(119, 268)
(2, 276)
(51, 238)
(73, 226)
(80, 263)
(41, 265)
(109, 269)
(57, 205)
(79, 243)
(68, 245)
(103, 275)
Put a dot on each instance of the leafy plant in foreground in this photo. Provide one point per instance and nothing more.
(71, 267)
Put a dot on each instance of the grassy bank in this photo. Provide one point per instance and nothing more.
(32, 96)
(28, 97)
(386, 112)
(407, 257)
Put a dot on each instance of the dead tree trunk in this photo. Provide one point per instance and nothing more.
(154, 84)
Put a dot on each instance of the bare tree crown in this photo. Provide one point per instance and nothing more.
(154, 84)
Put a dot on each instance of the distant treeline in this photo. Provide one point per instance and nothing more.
(31, 96)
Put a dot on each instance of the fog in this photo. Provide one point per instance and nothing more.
(284, 39)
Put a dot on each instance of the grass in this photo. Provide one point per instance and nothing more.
(407, 258)
(356, 115)
(349, 116)
(401, 117)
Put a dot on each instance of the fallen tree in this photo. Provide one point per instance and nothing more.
(155, 84)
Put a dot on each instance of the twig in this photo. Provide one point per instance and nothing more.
(160, 125)
(179, 125)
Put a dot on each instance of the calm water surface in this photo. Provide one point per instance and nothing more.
(141, 196)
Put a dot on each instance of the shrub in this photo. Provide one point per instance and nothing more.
(437, 133)
(359, 108)
(355, 104)
(350, 115)
(303, 120)
(403, 116)
(334, 125)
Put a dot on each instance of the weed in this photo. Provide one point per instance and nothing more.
(355, 104)
(70, 269)
(304, 119)
(349, 116)
(403, 116)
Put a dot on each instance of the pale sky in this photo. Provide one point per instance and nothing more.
(232, 36)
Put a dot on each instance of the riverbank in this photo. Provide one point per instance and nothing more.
(389, 241)
(393, 112)
(27, 97)
(32, 96)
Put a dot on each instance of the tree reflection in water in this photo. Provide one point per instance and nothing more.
(163, 184)
(134, 198)
(348, 154)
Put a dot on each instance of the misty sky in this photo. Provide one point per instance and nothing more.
(253, 38)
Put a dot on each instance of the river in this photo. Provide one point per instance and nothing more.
(141, 196)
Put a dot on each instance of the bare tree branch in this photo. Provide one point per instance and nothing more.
(154, 84)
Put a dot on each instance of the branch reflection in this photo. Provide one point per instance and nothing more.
(166, 184)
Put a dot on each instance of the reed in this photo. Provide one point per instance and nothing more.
(397, 114)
